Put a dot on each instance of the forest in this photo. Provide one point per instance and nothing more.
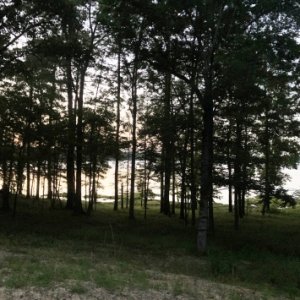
(193, 94)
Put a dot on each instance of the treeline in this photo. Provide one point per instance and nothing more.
(211, 87)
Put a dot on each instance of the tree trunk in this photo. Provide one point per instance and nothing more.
(183, 212)
(167, 140)
(206, 179)
(173, 186)
(92, 187)
(4, 171)
(122, 196)
(134, 83)
(127, 180)
(5, 198)
(10, 172)
(94, 190)
(162, 161)
(38, 180)
(19, 177)
(28, 171)
(266, 199)
(49, 176)
(237, 174)
(192, 157)
(236, 208)
(71, 140)
(118, 131)
(134, 144)
(79, 144)
(244, 175)
(229, 171)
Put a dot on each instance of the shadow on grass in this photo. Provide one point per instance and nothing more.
(42, 246)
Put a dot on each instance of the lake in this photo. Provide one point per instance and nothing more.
(106, 188)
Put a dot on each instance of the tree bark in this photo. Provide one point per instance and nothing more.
(134, 144)
(5, 198)
(206, 179)
(71, 140)
(173, 186)
(118, 130)
(168, 132)
(136, 52)
(183, 204)
(192, 157)
(266, 198)
(38, 180)
(228, 154)
(237, 174)
(79, 143)
(28, 170)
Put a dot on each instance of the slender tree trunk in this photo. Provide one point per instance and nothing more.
(173, 186)
(183, 211)
(127, 181)
(79, 145)
(134, 144)
(230, 188)
(122, 196)
(51, 141)
(92, 170)
(19, 177)
(162, 161)
(147, 183)
(28, 171)
(192, 157)
(244, 175)
(4, 171)
(10, 173)
(43, 189)
(236, 208)
(228, 154)
(5, 181)
(134, 120)
(237, 174)
(182, 198)
(145, 191)
(3, 159)
(168, 132)
(89, 208)
(93, 196)
(71, 140)
(49, 176)
(118, 131)
(94, 190)
(38, 180)
(266, 198)
(5, 198)
(145, 196)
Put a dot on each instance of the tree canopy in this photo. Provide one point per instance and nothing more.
(211, 87)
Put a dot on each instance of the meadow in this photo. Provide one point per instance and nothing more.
(103, 256)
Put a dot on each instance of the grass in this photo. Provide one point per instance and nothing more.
(42, 247)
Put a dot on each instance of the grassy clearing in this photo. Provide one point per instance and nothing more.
(42, 248)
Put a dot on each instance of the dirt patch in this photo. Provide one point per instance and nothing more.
(165, 287)
(94, 294)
